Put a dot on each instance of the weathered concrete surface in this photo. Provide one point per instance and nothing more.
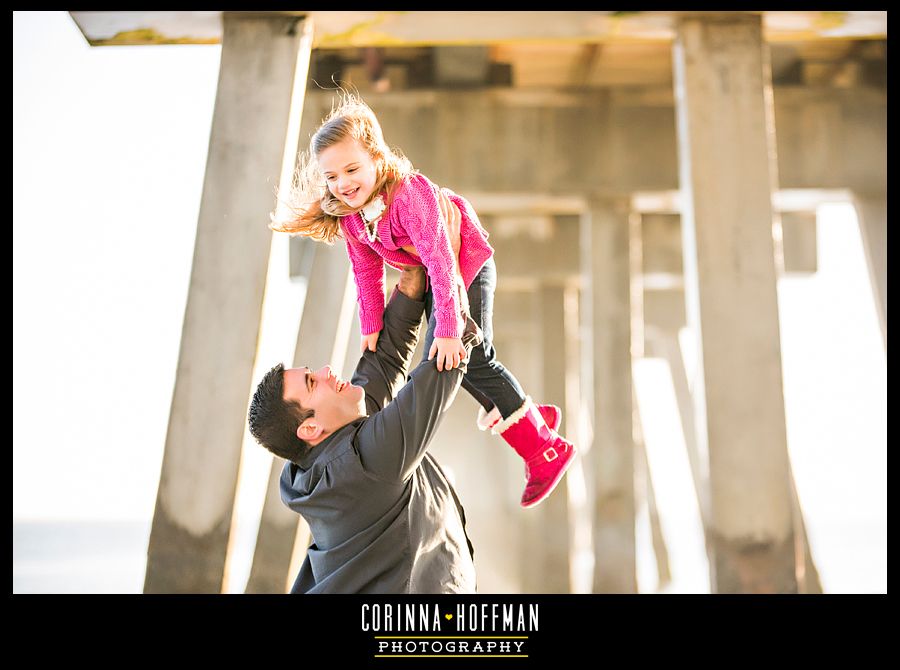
(338, 29)
(615, 140)
(545, 553)
(798, 240)
(745, 565)
(662, 342)
(871, 210)
(269, 572)
(606, 310)
(723, 93)
(189, 535)
(644, 490)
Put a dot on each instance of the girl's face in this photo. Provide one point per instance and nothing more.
(349, 172)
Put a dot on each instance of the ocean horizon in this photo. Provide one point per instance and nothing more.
(80, 556)
(106, 557)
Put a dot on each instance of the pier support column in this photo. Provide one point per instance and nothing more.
(727, 167)
(248, 154)
(871, 210)
(605, 264)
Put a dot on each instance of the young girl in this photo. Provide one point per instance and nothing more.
(352, 185)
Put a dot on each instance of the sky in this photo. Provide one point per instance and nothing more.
(109, 153)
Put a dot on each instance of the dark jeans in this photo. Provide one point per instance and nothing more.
(486, 379)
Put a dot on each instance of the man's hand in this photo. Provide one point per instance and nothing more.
(450, 351)
(452, 218)
(412, 282)
(369, 341)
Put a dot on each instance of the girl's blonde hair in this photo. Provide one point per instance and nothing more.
(313, 210)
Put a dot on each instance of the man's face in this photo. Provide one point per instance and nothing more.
(335, 402)
(349, 172)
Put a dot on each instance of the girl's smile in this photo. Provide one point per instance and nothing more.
(350, 195)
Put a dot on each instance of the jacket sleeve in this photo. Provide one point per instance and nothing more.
(394, 441)
(368, 273)
(383, 372)
(425, 225)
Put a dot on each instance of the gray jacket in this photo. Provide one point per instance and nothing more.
(384, 518)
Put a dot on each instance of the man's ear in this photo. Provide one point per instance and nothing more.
(310, 430)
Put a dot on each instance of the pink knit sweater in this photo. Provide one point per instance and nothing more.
(414, 218)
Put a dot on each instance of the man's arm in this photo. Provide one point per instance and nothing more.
(393, 441)
(383, 372)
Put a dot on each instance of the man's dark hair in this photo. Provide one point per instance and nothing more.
(274, 420)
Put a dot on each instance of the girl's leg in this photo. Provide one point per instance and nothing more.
(482, 399)
(486, 377)
(521, 423)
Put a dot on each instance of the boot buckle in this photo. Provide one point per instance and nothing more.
(550, 455)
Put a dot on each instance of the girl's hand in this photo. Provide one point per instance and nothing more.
(450, 351)
(369, 341)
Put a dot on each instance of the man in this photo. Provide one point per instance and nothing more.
(384, 518)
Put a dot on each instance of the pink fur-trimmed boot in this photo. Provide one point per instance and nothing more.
(551, 413)
(546, 454)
